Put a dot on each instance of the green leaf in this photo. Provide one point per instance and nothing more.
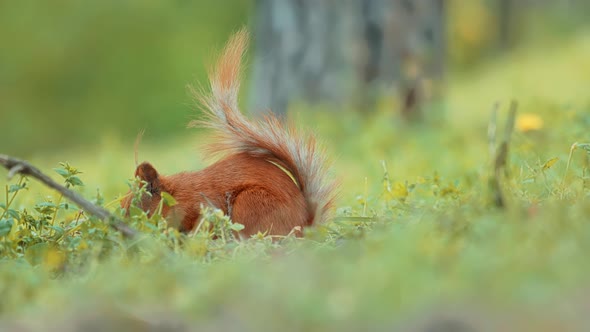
(584, 146)
(75, 181)
(5, 226)
(13, 213)
(237, 227)
(46, 204)
(45, 207)
(62, 171)
(15, 187)
(59, 230)
(168, 199)
(134, 211)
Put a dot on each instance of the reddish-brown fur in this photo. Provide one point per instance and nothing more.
(248, 184)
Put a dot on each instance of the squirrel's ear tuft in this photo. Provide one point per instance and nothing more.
(146, 172)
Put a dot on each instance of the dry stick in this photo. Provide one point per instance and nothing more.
(14, 166)
(502, 154)
(492, 128)
(492, 148)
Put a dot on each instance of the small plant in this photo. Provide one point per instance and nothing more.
(215, 224)
(9, 215)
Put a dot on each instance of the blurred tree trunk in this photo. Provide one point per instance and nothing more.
(510, 12)
(405, 42)
(343, 51)
(301, 50)
(505, 17)
(504, 11)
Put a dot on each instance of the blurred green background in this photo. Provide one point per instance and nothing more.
(72, 73)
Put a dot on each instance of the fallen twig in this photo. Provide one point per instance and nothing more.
(17, 166)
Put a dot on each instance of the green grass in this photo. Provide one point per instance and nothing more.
(433, 250)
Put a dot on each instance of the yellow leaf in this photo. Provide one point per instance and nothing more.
(420, 180)
(83, 245)
(54, 259)
(549, 163)
(43, 254)
(400, 190)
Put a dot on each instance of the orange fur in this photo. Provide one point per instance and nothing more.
(251, 183)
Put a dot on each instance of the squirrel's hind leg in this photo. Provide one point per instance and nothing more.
(261, 211)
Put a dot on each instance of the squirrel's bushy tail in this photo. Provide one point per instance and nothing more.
(267, 138)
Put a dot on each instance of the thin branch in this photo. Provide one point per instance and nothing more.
(14, 166)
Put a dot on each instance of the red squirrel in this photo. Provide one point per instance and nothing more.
(272, 179)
